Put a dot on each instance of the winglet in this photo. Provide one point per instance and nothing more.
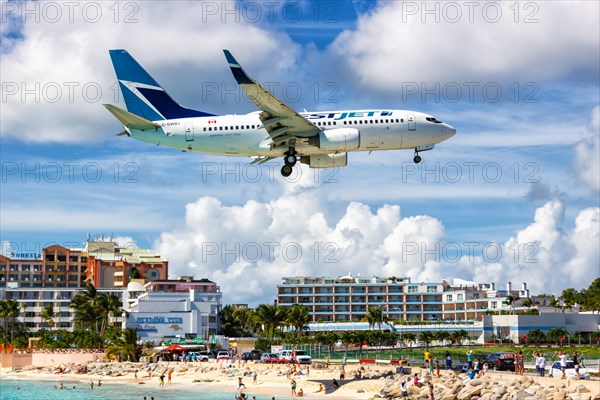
(238, 72)
(131, 120)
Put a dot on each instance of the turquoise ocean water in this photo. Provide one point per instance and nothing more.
(44, 390)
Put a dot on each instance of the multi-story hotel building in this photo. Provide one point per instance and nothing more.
(109, 265)
(348, 298)
(33, 300)
(103, 263)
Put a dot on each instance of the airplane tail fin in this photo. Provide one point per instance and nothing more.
(143, 96)
(130, 120)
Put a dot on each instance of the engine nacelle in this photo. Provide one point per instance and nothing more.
(340, 139)
(326, 160)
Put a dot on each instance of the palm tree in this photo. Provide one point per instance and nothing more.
(298, 317)
(126, 345)
(375, 317)
(427, 337)
(271, 316)
(245, 319)
(409, 337)
(9, 311)
(48, 315)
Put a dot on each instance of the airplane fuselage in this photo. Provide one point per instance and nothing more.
(244, 135)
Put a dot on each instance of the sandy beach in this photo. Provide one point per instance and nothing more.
(272, 380)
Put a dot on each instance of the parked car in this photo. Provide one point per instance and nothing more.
(223, 355)
(251, 355)
(271, 358)
(204, 355)
(555, 371)
(302, 356)
(500, 361)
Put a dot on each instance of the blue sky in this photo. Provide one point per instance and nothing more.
(521, 89)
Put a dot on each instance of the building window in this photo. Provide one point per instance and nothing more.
(431, 289)
(493, 304)
(448, 297)
(412, 289)
(459, 297)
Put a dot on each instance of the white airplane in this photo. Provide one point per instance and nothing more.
(320, 139)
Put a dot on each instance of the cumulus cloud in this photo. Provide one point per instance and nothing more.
(247, 248)
(56, 71)
(401, 42)
(586, 157)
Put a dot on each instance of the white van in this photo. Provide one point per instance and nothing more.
(302, 356)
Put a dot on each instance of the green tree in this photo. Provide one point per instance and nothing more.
(126, 345)
(536, 336)
(271, 317)
(348, 337)
(245, 319)
(297, 317)
(375, 317)
(557, 334)
(441, 336)
(426, 337)
(590, 297)
(569, 297)
(9, 311)
(48, 315)
(409, 337)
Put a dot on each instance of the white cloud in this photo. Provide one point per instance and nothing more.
(230, 244)
(400, 42)
(53, 57)
(586, 157)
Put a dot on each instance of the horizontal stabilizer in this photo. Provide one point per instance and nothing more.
(130, 120)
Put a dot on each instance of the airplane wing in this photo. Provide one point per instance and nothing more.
(283, 123)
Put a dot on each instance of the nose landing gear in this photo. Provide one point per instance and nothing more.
(417, 158)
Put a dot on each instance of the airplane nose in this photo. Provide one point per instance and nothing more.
(449, 131)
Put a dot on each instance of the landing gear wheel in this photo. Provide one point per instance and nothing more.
(286, 170)
(290, 160)
(417, 159)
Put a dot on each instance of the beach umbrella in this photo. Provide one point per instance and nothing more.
(175, 347)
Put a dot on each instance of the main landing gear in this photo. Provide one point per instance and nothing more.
(289, 160)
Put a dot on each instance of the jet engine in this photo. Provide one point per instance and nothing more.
(340, 139)
(326, 160)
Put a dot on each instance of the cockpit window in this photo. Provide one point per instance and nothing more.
(432, 119)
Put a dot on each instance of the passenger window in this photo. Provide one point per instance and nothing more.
(220, 128)
(225, 128)
(204, 129)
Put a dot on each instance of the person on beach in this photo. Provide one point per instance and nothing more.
(335, 384)
(448, 358)
(91, 384)
(254, 377)
(470, 358)
(169, 375)
(427, 356)
(240, 383)
(416, 381)
(437, 367)
(293, 387)
(99, 382)
(540, 361)
(161, 379)
(300, 393)
(321, 388)
(562, 357)
(430, 385)
(404, 388)
(576, 364)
